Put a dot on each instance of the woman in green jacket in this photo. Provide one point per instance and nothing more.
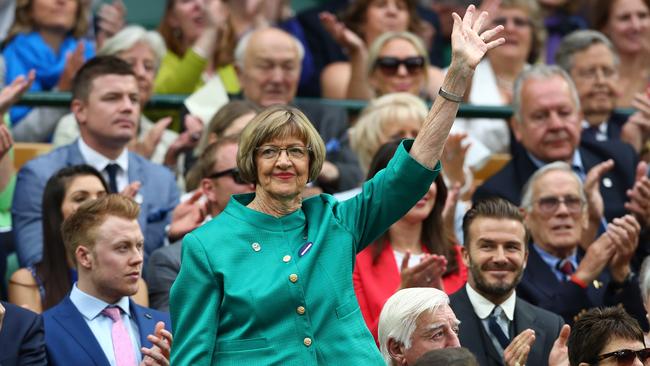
(269, 280)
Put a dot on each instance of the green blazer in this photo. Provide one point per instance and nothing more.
(246, 296)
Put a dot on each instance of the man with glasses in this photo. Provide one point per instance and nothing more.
(268, 63)
(606, 337)
(591, 60)
(547, 124)
(558, 277)
(219, 179)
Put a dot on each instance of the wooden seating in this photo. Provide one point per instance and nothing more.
(496, 162)
(26, 151)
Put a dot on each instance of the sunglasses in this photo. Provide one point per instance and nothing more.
(626, 357)
(234, 173)
(548, 205)
(390, 65)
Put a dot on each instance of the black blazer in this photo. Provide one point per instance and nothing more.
(474, 337)
(21, 338)
(540, 287)
(509, 181)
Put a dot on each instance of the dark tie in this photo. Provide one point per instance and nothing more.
(495, 328)
(565, 267)
(591, 132)
(112, 170)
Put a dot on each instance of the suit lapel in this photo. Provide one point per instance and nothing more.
(540, 274)
(525, 318)
(70, 319)
(74, 156)
(145, 321)
(471, 325)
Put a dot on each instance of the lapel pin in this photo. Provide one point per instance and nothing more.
(256, 247)
(148, 316)
(305, 248)
(607, 182)
(598, 284)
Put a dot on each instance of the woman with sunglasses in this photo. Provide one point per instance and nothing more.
(398, 62)
(607, 337)
(363, 24)
(494, 78)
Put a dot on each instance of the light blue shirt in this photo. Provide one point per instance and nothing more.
(552, 262)
(576, 164)
(100, 325)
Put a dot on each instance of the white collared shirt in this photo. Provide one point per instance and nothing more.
(101, 326)
(484, 307)
(99, 162)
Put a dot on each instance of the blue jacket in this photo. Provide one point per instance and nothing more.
(21, 338)
(70, 341)
(159, 197)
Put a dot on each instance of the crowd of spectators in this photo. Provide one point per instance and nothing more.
(147, 235)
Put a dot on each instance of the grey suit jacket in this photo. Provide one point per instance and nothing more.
(158, 191)
(162, 269)
(474, 337)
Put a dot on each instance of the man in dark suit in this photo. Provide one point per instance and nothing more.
(105, 104)
(489, 310)
(97, 323)
(217, 169)
(558, 277)
(268, 64)
(591, 60)
(21, 337)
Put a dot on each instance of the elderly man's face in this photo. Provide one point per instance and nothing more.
(595, 75)
(550, 126)
(271, 68)
(433, 331)
(556, 228)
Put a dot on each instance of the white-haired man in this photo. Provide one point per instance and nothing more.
(414, 321)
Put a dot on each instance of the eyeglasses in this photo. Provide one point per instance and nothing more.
(517, 21)
(625, 357)
(390, 65)
(271, 152)
(591, 74)
(548, 205)
(234, 173)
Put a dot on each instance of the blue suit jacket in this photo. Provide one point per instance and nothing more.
(21, 338)
(159, 197)
(540, 287)
(70, 341)
(473, 336)
(509, 181)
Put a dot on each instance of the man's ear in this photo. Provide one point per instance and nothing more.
(207, 187)
(83, 256)
(78, 107)
(396, 351)
(465, 252)
(515, 126)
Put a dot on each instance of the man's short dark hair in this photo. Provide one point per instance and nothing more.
(94, 68)
(594, 329)
(493, 208)
(457, 356)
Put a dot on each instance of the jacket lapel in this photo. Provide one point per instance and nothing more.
(70, 319)
(472, 326)
(525, 318)
(145, 321)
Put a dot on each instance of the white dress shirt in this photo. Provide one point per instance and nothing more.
(101, 326)
(483, 309)
(99, 162)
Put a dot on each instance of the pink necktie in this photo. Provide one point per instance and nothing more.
(122, 346)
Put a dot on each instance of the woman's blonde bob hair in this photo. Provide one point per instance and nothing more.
(278, 122)
(24, 23)
(368, 135)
